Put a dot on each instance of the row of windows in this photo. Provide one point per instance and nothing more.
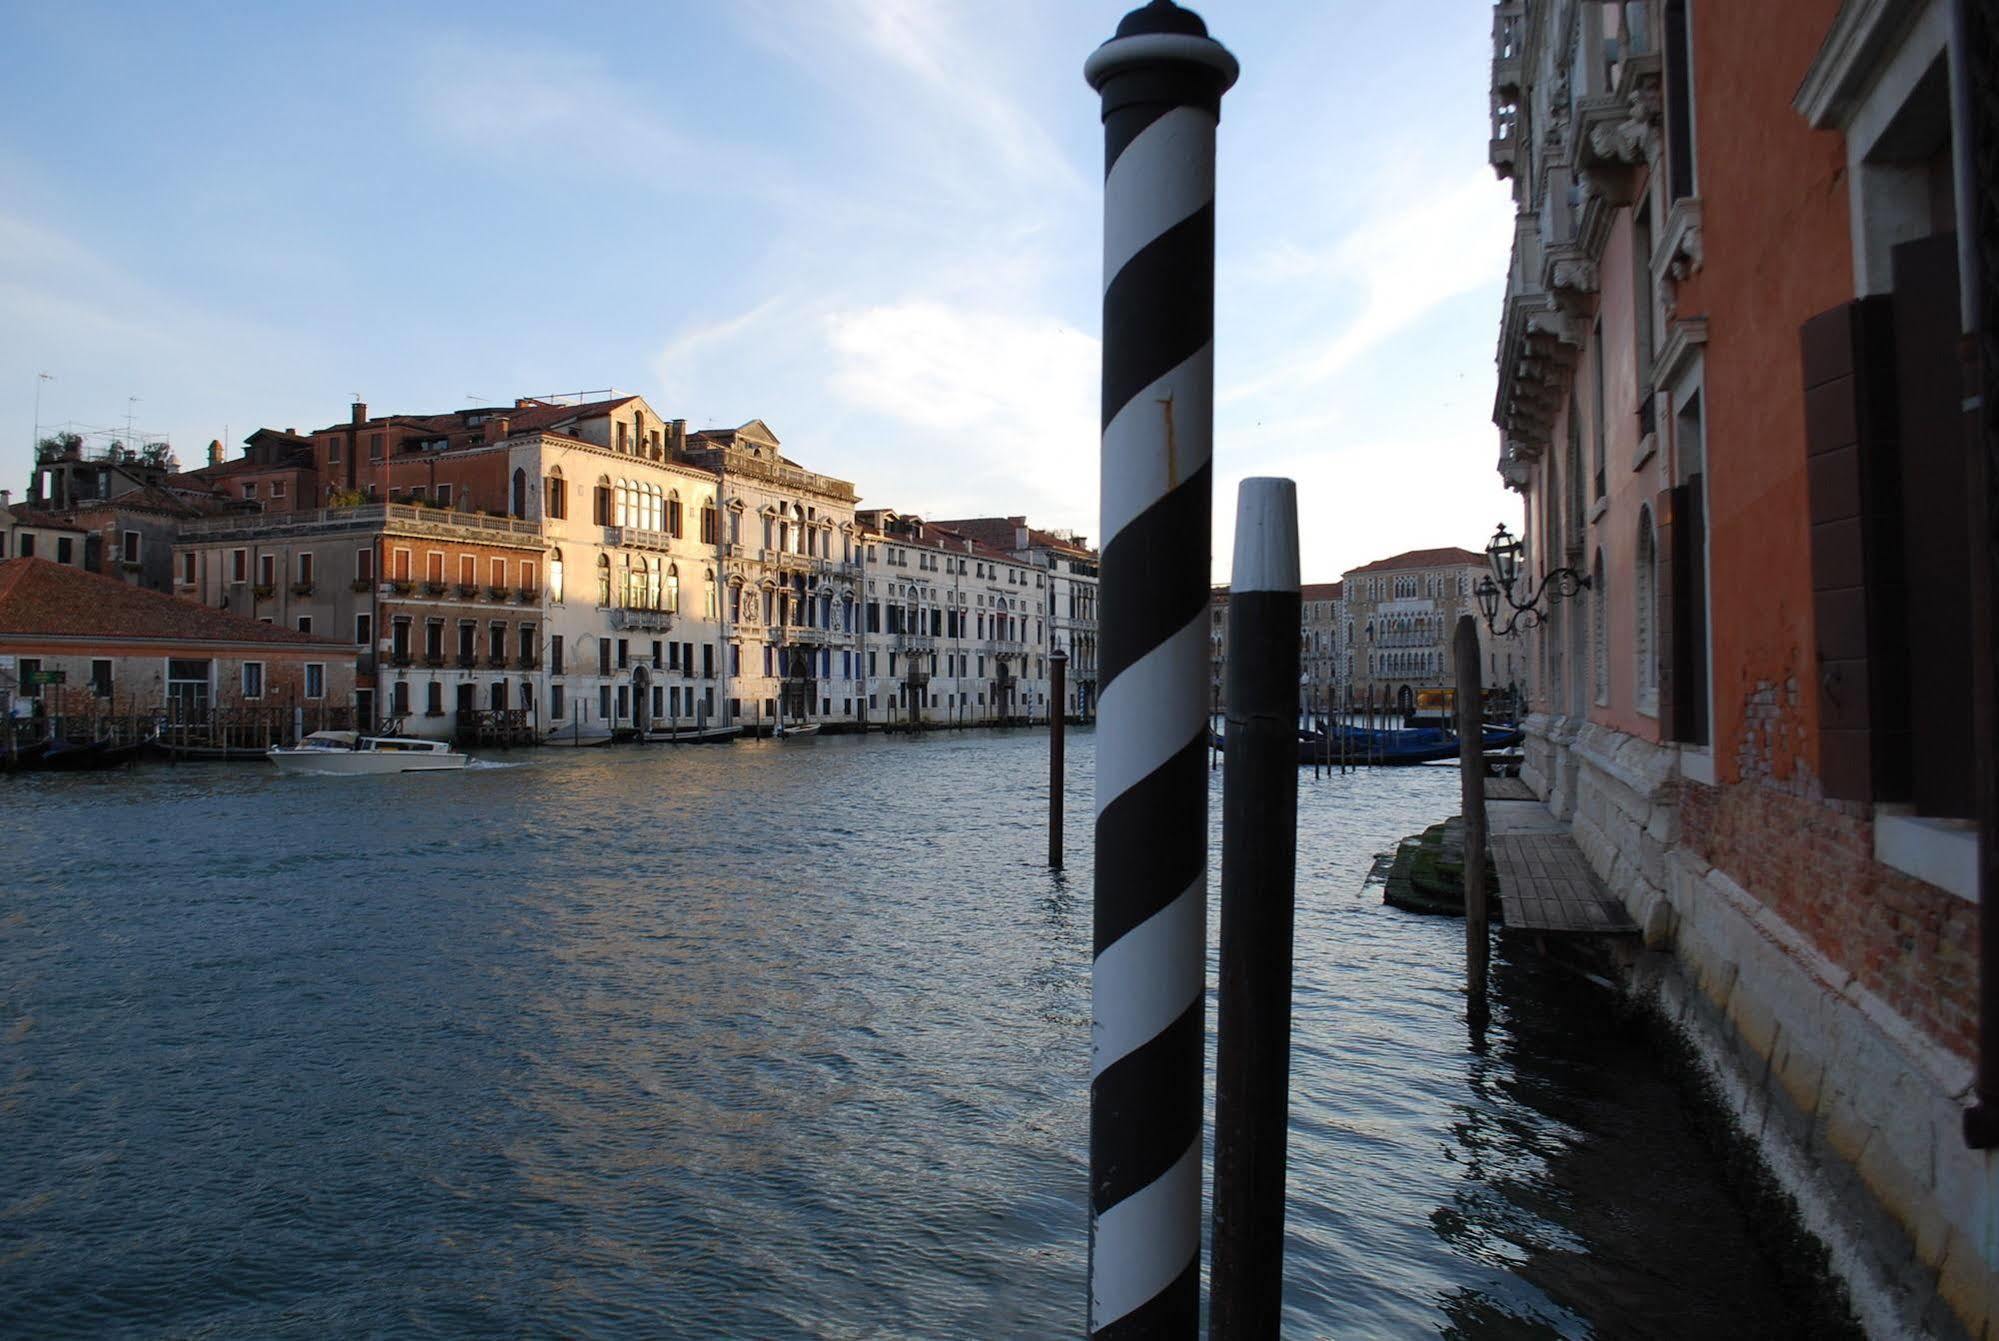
(251, 673)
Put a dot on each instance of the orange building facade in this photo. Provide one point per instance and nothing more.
(1729, 395)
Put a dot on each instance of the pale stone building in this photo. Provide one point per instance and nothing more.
(1401, 614)
(954, 632)
(790, 581)
(1070, 602)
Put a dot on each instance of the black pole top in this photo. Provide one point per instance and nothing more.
(1162, 16)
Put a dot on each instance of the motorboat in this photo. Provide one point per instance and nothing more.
(689, 735)
(784, 732)
(351, 753)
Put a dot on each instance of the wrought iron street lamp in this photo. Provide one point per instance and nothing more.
(1502, 555)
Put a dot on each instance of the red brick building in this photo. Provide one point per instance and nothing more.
(120, 650)
(1730, 392)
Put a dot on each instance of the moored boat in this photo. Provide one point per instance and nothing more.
(690, 735)
(348, 753)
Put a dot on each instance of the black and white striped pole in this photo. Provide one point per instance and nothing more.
(1161, 79)
(1259, 865)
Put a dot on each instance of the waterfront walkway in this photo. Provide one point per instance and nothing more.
(1545, 885)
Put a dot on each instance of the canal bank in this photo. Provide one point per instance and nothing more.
(784, 1041)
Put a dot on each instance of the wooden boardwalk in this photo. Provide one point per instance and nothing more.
(1545, 885)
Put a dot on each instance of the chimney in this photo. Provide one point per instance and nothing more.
(500, 427)
(360, 411)
(6, 499)
(215, 451)
(677, 438)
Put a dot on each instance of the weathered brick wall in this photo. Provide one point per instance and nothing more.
(1811, 861)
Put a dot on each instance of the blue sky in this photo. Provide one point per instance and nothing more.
(873, 225)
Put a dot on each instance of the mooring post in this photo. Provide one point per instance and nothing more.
(1471, 772)
(1259, 861)
(1161, 79)
(1058, 668)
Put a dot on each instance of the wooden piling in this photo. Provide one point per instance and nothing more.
(1471, 775)
(1058, 667)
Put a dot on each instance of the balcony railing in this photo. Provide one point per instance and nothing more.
(498, 661)
(304, 588)
(638, 537)
(468, 591)
(528, 595)
(527, 661)
(656, 621)
(433, 588)
(363, 517)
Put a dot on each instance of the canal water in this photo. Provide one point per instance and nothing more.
(780, 1039)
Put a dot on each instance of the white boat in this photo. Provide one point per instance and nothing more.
(689, 735)
(351, 753)
(578, 735)
(801, 729)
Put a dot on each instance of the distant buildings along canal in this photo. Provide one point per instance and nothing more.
(1729, 393)
(582, 569)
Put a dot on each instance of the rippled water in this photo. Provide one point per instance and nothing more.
(772, 1040)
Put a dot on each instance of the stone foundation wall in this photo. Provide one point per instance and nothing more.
(1832, 998)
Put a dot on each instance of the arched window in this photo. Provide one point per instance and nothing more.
(673, 588)
(555, 577)
(603, 502)
(1645, 639)
(604, 579)
(624, 512)
(1599, 598)
(673, 514)
(520, 499)
(710, 532)
(708, 594)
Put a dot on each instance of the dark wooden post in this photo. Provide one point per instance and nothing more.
(1058, 666)
(1259, 865)
(1471, 773)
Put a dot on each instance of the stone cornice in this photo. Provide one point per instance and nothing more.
(1684, 339)
(1861, 33)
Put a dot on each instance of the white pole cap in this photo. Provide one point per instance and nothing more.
(1266, 535)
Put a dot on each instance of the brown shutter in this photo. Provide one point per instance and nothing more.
(1852, 460)
(1929, 398)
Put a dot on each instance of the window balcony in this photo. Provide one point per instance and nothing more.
(497, 661)
(433, 589)
(401, 586)
(651, 621)
(363, 584)
(468, 591)
(1509, 31)
(528, 595)
(497, 593)
(527, 661)
(467, 661)
(434, 660)
(263, 591)
(304, 588)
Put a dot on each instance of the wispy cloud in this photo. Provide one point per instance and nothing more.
(1000, 396)
(1397, 266)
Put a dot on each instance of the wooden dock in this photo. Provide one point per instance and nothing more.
(1545, 885)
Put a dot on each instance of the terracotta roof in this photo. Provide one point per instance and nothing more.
(1320, 591)
(1000, 533)
(1448, 557)
(153, 498)
(55, 600)
(27, 515)
(243, 465)
(537, 418)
